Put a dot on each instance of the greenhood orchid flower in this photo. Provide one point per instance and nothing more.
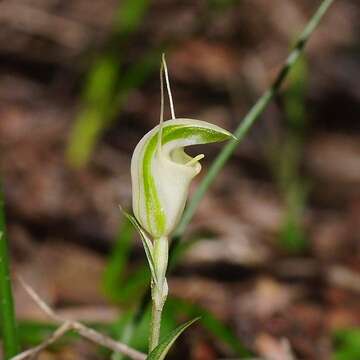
(161, 171)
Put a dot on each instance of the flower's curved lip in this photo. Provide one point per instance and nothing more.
(167, 145)
(193, 122)
(194, 167)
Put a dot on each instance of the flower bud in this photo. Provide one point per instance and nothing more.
(161, 171)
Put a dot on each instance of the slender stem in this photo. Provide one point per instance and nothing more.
(159, 289)
(7, 312)
(155, 327)
(250, 118)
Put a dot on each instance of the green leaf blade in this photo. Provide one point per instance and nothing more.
(8, 322)
(160, 352)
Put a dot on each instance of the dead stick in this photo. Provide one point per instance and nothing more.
(61, 331)
(80, 328)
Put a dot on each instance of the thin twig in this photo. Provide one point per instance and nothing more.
(56, 335)
(106, 341)
(40, 302)
(81, 329)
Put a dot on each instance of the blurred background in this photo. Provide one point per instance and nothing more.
(271, 259)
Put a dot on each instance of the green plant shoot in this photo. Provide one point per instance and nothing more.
(161, 174)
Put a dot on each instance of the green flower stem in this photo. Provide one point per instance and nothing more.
(159, 289)
(7, 313)
(154, 327)
(250, 119)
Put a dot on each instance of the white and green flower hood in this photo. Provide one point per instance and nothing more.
(161, 171)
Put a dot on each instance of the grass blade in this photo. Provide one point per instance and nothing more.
(160, 352)
(251, 117)
(347, 344)
(7, 312)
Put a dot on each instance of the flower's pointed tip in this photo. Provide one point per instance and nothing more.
(229, 135)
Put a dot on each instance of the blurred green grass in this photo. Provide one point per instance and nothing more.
(287, 154)
(8, 323)
(108, 83)
(347, 344)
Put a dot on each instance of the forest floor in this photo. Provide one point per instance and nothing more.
(63, 221)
